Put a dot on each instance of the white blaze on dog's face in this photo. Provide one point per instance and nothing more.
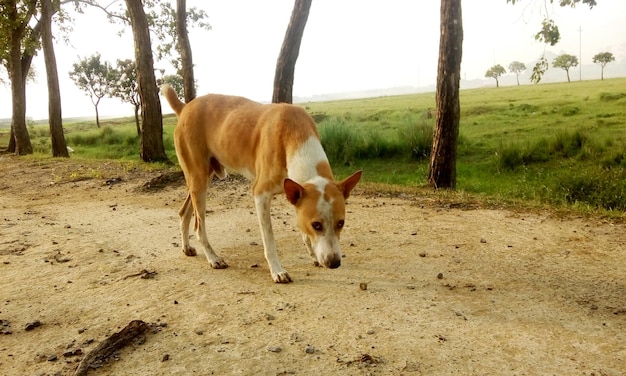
(320, 211)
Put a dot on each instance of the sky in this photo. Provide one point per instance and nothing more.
(348, 46)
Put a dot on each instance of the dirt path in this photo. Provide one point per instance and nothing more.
(84, 251)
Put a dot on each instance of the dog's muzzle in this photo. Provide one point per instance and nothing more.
(332, 262)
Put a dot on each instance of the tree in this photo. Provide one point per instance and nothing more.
(19, 41)
(286, 64)
(170, 28)
(175, 81)
(442, 170)
(603, 58)
(495, 72)
(565, 62)
(549, 34)
(152, 148)
(517, 68)
(126, 87)
(94, 77)
(55, 118)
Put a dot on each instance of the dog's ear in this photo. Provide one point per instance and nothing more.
(346, 185)
(293, 191)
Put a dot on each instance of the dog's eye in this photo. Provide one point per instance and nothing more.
(340, 224)
(317, 226)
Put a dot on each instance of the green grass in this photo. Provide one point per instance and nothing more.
(558, 144)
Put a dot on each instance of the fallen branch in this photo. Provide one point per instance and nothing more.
(109, 346)
(145, 274)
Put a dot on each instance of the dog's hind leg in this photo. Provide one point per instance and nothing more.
(185, 213)
(200, 211)
(262, 202)
(198, 185)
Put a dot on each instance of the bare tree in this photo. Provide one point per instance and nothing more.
(442, 173)
(55, 119)
(286, 64)
(152, 148)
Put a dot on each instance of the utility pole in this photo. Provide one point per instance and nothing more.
(580, 54)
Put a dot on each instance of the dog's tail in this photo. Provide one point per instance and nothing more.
(170, 94)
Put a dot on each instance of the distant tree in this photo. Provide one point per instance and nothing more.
(94, 77)
(176, 81)
(603, 58)
(517, 68)
(565, 62)
(125, 87)
(286, 64)
(495, 72)
(549, 34)
(442, 168)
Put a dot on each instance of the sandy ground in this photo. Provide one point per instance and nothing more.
(451, 288)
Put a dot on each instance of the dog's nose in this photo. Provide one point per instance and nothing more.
(335, 263)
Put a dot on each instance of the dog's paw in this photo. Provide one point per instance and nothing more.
(282, 277)
(218, 263)
(189, 251)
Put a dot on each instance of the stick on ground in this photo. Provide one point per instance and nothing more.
(109, 346)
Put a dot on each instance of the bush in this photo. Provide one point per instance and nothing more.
(417, 140)
(598, 188)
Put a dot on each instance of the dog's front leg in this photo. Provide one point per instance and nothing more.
(262, 203)
(309, 247)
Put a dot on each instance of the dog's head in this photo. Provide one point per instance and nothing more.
(320, 209)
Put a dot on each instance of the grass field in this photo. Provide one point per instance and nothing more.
(558, 144)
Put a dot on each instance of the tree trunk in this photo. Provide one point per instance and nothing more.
(55, 119)
(184, 49)
(567, 72)
(152, 149)
(137, 120)
(97, 115)
(286, 64)
(442, 172)
(18, 85)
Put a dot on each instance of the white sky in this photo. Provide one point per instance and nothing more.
(348, 45)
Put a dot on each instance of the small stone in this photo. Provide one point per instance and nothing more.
(363, 286)
(52, 358)
(440, 276)
(370, 332)
(309, 350)
(165, 358)
(422, 254)
(32, 325)
(483, 240)
(199, 332)
(275, 349)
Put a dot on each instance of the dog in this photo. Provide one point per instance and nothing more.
(277, 147)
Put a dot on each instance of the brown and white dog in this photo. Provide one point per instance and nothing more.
(277, 147)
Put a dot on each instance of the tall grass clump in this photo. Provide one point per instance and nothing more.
(346, 144)
(106, 142)
(339, 141)
(594, 187)
(564, 145)
(416, 140)
(515, 155)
